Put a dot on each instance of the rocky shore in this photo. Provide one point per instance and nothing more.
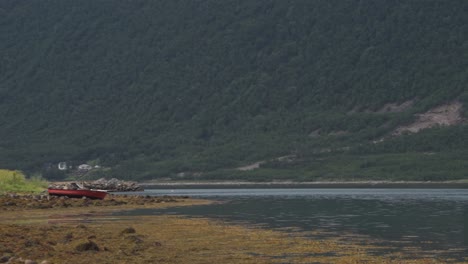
(34, 243)
(41, 229)
(112, 185)
(16, 202)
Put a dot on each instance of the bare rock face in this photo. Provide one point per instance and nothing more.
(444, 115)
(112, 185)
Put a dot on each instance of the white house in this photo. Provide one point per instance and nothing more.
(62, 166)
(85, 167)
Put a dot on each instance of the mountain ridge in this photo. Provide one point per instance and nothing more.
(154, 89)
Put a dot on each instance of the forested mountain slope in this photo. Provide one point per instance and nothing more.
(150, 89)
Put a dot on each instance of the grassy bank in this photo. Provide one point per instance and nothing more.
(16, 181)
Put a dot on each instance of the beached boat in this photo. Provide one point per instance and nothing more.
(92, 194)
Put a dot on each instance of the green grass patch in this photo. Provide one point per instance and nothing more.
(16, 181)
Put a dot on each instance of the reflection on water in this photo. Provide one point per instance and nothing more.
(428, 219)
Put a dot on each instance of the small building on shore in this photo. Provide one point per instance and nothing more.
(85, 167)
(62, 166)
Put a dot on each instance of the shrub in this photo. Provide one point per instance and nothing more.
(15, 181)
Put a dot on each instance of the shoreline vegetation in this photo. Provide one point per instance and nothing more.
(16, 181)
(85, 231)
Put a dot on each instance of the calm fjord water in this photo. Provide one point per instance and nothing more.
(430, 219)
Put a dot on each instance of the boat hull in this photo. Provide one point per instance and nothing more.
(92, 194)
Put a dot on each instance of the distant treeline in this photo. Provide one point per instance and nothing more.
(156, 89)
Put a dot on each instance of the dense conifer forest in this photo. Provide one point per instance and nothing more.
(195, 89)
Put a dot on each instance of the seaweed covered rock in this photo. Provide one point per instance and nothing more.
(87, 246)
(128, 230)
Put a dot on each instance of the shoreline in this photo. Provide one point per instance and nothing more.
(91, 234)
(85, 231)
(46, 205)
(177, 239)
(291, 184)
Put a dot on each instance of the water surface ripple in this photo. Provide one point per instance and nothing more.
(433, 220)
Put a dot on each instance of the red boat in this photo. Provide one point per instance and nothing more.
(92, 194)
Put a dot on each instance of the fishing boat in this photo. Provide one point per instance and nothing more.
(92, 194)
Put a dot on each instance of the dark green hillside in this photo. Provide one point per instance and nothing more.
(154, 89)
